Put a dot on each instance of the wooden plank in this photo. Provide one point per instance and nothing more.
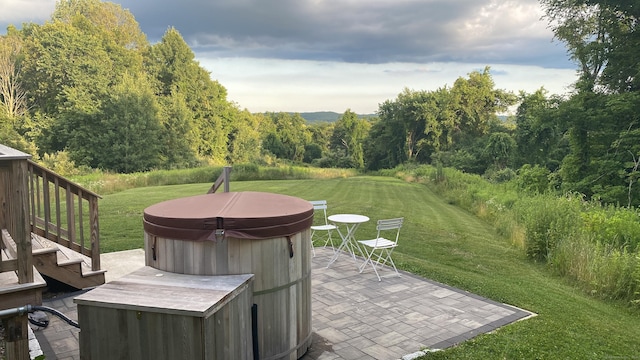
(81, 238)
(71, 215)
(40, 245)
(46, 204)
(95, 233)
(4, 177)
(178, 256)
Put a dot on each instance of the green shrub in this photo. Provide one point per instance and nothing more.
(499, 175)
(548, 220)
(533, 179)
(619, 227)
(61, 164)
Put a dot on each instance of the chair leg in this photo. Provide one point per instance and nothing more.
(379, 261)
(329, 241)
(389, 259)
(369, 260)
(313, 249)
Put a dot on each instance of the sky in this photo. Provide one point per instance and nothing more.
(334, 55)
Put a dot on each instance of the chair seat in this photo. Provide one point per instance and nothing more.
(320, 206)
(323, 227)
(380, 243)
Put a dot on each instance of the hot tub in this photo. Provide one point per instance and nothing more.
(237, 233)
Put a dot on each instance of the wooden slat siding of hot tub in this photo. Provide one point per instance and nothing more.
(280, 276)
(178, 257)
(222, 257)
(303, 293)
(283, 323)
(189, 258)
(148, 243)
(304, 328)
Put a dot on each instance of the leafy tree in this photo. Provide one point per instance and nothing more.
(602, 36)
(321, 133)
(476, 102)
(384, 147)
(347, 137)
(419, 125)
(500, 148)
(61, 62)
(287, 137)
(125, 135)
(244, 138)
(12, 95)
(176, 134)
(172, 65)
(538, 133)
(107, 17)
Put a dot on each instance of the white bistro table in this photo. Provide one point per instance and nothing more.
(351, 222)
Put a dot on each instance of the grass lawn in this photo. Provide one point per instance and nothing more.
(443, 243)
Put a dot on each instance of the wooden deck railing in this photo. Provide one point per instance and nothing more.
(224, 178)
(64, 212)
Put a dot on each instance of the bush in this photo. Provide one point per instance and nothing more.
(597, 247)
(499, 175)
(618, 227)
(61, 164)
(548, 220)
(533, 179)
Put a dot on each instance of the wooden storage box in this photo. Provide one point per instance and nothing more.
(153, 314)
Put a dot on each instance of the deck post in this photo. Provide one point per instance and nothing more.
(15, 217)
(17, 337)
(15, 206)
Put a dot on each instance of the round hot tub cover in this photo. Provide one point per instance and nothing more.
(243, 215)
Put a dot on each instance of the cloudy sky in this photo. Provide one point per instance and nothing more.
(333, 55)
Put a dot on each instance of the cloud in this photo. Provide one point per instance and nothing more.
(304, 85)
(16, 12)
(361, 31)
(309, 55)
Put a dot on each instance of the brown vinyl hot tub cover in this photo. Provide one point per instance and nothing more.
(243, 215)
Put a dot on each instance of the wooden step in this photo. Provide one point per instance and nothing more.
(57, 261)
(40, 245)
(13, 294)
(67, 266)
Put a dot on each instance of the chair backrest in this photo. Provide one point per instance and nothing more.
(320, 205)
(388, 225)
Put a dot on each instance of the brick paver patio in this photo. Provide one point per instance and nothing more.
(355, 316)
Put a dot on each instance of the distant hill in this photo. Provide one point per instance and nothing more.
(327, 116)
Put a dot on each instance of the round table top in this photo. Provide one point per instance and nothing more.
(348, 218)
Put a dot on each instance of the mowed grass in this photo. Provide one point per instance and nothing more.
(443, 243)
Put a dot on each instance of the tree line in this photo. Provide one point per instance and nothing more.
(86, 87)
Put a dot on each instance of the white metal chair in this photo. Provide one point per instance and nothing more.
(378, 250)
(321, 206)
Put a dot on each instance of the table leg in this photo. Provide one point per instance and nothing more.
(348, 241)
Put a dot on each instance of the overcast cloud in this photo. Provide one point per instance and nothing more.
(312, 55)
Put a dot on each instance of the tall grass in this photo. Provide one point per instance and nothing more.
(596, 247)
(108, 183)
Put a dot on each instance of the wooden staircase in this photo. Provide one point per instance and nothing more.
(58, 262)
(48, 225)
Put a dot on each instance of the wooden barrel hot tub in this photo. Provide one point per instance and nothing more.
(243, 233)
